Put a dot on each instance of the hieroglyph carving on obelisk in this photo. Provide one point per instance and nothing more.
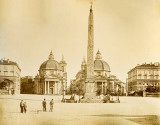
(90, 47)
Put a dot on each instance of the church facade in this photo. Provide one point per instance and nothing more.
(52, 77)
(105, 82)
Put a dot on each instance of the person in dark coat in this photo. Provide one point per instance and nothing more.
(21, 106)
(44, 105)
(25, 107)
(51, 105)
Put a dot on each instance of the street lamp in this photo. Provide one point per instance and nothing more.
(103, 90)
(118, 91)
(63, 90)
(78, 88)
(118, 95)
(112, 94)
(63, 93)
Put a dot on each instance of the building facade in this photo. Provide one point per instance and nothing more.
(52, 77)
(27, 85)
(144, 77)
(9, 77)
(105, 83)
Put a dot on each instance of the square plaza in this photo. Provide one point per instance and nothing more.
(131, 111)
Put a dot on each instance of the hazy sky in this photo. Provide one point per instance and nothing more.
(127, 33)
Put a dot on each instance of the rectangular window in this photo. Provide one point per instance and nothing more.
(139, 77)
(145, 76)
(6, 73)
(12, 73)
(157, 77)
(151, 77)
(5, 67)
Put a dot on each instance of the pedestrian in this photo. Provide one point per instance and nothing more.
(44, 105)
(25, 107)
(21, 106)
(51, 105)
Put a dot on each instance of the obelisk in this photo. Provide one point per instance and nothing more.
(90, 92)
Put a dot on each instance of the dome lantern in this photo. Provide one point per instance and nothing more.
(51, 57)
(63, 61)
(84, 61)
(98, 55)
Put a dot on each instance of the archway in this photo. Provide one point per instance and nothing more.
(7, 87)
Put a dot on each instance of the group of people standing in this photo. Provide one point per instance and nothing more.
(23, 106)
(44, 104)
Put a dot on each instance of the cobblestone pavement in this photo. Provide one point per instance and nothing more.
(131, 111)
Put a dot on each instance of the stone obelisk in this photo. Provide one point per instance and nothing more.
(90, 82)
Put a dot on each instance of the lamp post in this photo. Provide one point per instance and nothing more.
(79, 89)
(63, 90)
(144, 92)
(112, 94)
(103, 89)
(118, 91)
(118, 95)
(63, 93)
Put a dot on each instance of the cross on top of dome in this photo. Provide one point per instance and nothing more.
(98, 55)
(51, 56)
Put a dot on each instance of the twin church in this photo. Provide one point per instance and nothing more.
(93, 78)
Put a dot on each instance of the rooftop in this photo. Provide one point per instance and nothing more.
(8, 62)
(146, 65)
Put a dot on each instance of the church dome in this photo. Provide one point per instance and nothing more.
(50, 63)
(99, 64)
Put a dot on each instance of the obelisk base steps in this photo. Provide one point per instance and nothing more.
(90, 96)
(91, 101)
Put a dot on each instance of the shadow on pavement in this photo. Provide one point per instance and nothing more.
(140, 119)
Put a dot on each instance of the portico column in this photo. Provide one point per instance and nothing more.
(113, 85)
(48, 87)
(59, 87)
(102, 87)
(45, 87)
(105, 87)
(64, 87)
(55, 87)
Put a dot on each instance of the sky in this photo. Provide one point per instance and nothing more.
(127, 33)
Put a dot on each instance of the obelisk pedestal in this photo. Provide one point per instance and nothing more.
(90, 89)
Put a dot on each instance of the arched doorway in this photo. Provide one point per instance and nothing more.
(7, 87)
